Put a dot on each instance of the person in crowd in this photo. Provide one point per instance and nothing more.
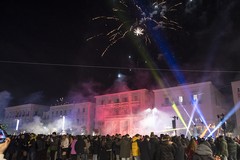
(32, 144)
(191, 148)
(180, 148)
(23, 147)
(135, 147)
(145, 148)
(64, 146)
(53, 145)
(115, 147)
(103, 154)
(95, 147)
(125, 147)
(80, 147)
(41, 147)
(213, 146)
(86, 149)
(109, 146)
(221, 147)
(166, 149)
(12, 149)
(154, 145)
(3, 147)
(236, 139)
(203, 152)
(232, 148)
(73, 153)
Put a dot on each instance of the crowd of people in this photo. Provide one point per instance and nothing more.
(118, 147)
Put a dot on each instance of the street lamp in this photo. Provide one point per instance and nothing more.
(174, 123)
(221, 118)
(63, 124)
(17, 125)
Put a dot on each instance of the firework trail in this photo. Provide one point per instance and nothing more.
(131, 16)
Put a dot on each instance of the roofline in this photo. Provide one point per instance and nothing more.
(184, 86)
(121, 92)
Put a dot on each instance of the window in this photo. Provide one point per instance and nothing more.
(238, 92)
(125, 99)
(102, 102)
(116, 100)
(135, 98)
(195, 97)
(166, 101)
(83, 110)
(180, 99)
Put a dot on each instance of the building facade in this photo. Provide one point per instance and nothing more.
(119, 112)
(195, 105)
(236, 98)
(76, 118)
(21, 115)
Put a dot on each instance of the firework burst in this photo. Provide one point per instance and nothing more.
(137, 18)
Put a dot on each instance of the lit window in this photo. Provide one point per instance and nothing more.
(195, 97)
(180, 99)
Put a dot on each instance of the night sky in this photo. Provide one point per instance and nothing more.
(45, 54)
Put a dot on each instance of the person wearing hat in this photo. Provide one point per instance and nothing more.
(203, 152)
(166, 149)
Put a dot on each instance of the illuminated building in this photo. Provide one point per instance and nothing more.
(120, 112)
(204, 96)
(138, 111)
(79, 117)
(24, 113)
(236, 99)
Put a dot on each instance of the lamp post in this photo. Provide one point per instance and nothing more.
(221, 118)
(17, 125)
(63, 124)
(174, 123)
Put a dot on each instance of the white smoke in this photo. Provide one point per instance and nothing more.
(156, 121)
(38, 127)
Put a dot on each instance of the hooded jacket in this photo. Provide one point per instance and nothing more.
(135, 146)
(203, 152)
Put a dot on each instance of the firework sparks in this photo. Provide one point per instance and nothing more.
(130, 16)
(138, 31)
